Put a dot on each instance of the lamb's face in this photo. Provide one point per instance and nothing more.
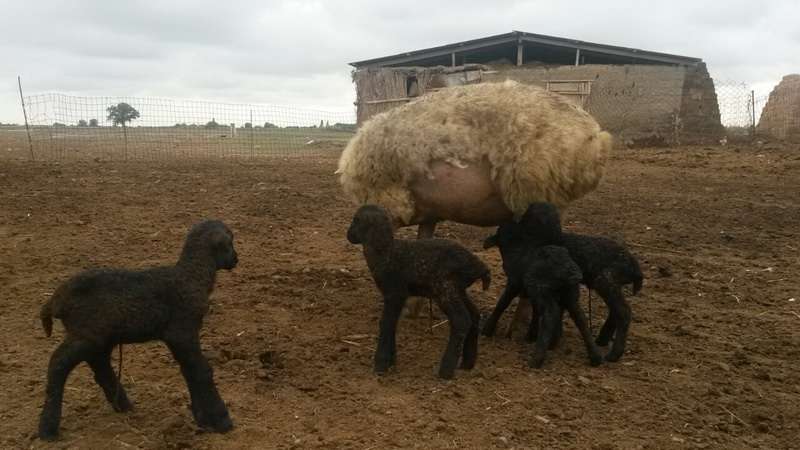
(215, 237)
(541, 219)
(368, 218)
(224, 253)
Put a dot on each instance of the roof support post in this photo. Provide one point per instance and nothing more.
(577, 57)
(453, 59)
(519, 51)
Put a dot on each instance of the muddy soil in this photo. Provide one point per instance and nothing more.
(712, 353)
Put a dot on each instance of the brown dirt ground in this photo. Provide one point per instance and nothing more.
(713, 348)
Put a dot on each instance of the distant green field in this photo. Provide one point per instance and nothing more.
(69, 142)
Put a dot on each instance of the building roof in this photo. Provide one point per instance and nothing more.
(519, 47)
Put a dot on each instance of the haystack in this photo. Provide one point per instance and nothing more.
(781, 116)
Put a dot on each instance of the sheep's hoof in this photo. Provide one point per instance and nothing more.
(613, 356)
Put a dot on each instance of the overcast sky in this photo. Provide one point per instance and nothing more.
(296, 53)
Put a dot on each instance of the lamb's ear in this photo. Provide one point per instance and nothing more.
(490, 242)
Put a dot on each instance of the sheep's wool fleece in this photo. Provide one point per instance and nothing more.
(540, 147)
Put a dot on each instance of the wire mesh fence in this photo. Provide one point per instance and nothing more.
(67, 127)
(64, 127)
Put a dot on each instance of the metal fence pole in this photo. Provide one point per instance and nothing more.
(25, 114)
(753, 114)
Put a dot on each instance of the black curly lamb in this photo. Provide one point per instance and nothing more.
(553, 279)
(607, 267)
(439, 269)
(101, 308)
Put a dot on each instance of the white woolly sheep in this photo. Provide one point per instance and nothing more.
(102, 308)
(476, 154)
(439, 269)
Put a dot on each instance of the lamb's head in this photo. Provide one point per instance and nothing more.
(214, 238)
(508, 236)
(371, 224)
(541, 220)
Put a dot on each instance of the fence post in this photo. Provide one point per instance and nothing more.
(25, 115)
(753, 114)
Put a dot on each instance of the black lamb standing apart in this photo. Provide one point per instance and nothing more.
(607, 266)
(439, 269)
(101, 308)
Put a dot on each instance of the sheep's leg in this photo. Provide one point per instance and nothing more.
(520, 321)
(533, 329)
(65, 357)
(576, 312)
(386, 353)
(470, 353)
(425, 229)
(414, 305)
(503, 302)
(105, 377)
(549, 312)
(208, 408)
(619, 315)
(459, 318)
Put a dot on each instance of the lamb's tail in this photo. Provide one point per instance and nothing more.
(46, 316)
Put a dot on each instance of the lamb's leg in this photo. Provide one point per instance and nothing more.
(549, 312)
(606, 332)
(386, 353)
(470, 353)
(576, 312)
(619, 314)
(208, 408)
(459, 318)
(65, 357)
(509, 293)
(104, 375)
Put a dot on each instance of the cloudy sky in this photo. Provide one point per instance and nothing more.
(296, 53)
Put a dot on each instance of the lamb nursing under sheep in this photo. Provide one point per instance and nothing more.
(101, 308)
(439, 269)
(552, 278)
(476, 154)
(606, 266)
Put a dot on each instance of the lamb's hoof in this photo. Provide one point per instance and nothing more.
(613, 356)
(467, 365)
(446, 374)
(601, 341)
(215, 419)
(535, 363)
(122, 406)
(382, 368)
(217, 425)
(48, 435)
(596, 360)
